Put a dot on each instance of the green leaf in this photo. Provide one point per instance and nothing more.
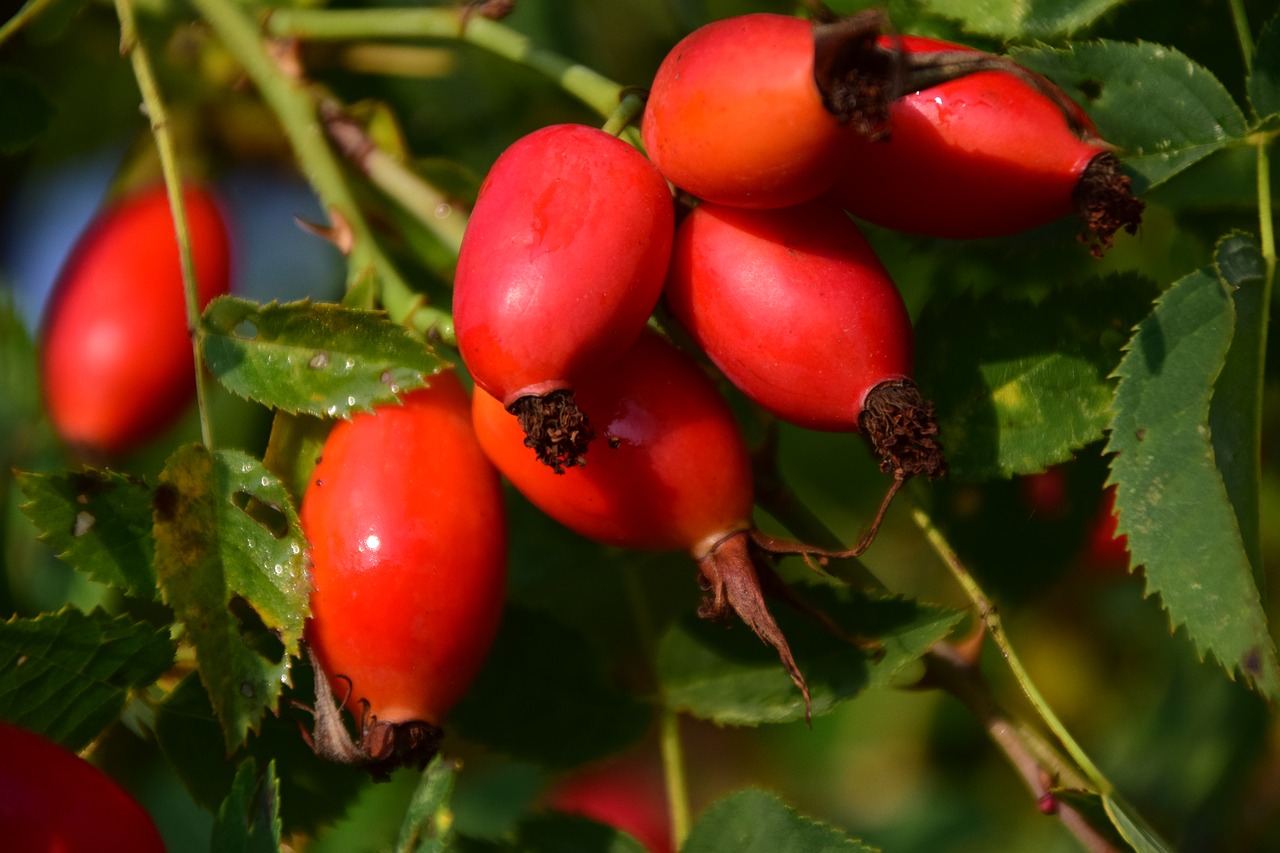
(312, 358)
(313, 791)
(27, 112)
(428, 823)
(67, 674)
(1140, 836)
(726, 675)
(1235, 414)
(1171, 499)
(563, 833)
(249, 819)
(568, 713)
(99, 522)
(1160, 108)
(753, 821)
(231, 559)
(1264, 78)
(1021, 386)
(1010, 19)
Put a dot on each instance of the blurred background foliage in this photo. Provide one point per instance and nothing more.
(1197, 754)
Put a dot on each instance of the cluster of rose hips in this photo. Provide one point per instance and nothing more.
(772, 130)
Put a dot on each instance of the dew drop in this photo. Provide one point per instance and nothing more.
(351, 401)
(266, 481)
(295, 548)
(332, 411)
(279, 570)
(246, 690)
(443, 210)
(319, 361)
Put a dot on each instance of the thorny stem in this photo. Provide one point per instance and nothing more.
(295, 109)
(995, 627)
(950, 670)
(431, 207)
(153, 105)
(1032, 758)
(593, 89)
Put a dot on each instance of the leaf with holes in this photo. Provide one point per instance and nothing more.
(1171, 499)
(231, 560)
(67, 674)
(1010, 19)
(753, 821)
(1161, 109)
(97, 521)
(312, 358)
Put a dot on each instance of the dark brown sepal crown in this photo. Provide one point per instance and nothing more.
(1105, 199)
(855, 77)
(382, 748)
(555, 428)
(902, 427)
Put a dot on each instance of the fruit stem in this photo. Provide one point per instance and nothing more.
(669, 742)
(153, 105)
(592, 88)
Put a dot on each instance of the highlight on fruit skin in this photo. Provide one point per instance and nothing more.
(560, 267)
(116, 361)
(407, 526)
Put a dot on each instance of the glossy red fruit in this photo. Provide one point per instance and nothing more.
(987, 154)
(798, 312)
(675, 475)
(52, 799)
(116, 361)
(737, 115)
(560, 267)
(408, 561)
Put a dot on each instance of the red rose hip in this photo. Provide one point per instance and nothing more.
(408, 563)
(116, 360)
(560, 267)
(987, 154)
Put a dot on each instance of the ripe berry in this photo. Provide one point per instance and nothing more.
(561, 265)
(52, 799)
(408, 561)
(675, 476)
(987, 154)
(742, 111)
(798, 312)
(116, 362)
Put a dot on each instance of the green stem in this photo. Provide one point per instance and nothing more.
(155, 110)
(669, 743)
(295, 109)
(1243, 33)
(592, 88)
(673, 769)
(995, 627)
(28, 13)
(429, 205)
